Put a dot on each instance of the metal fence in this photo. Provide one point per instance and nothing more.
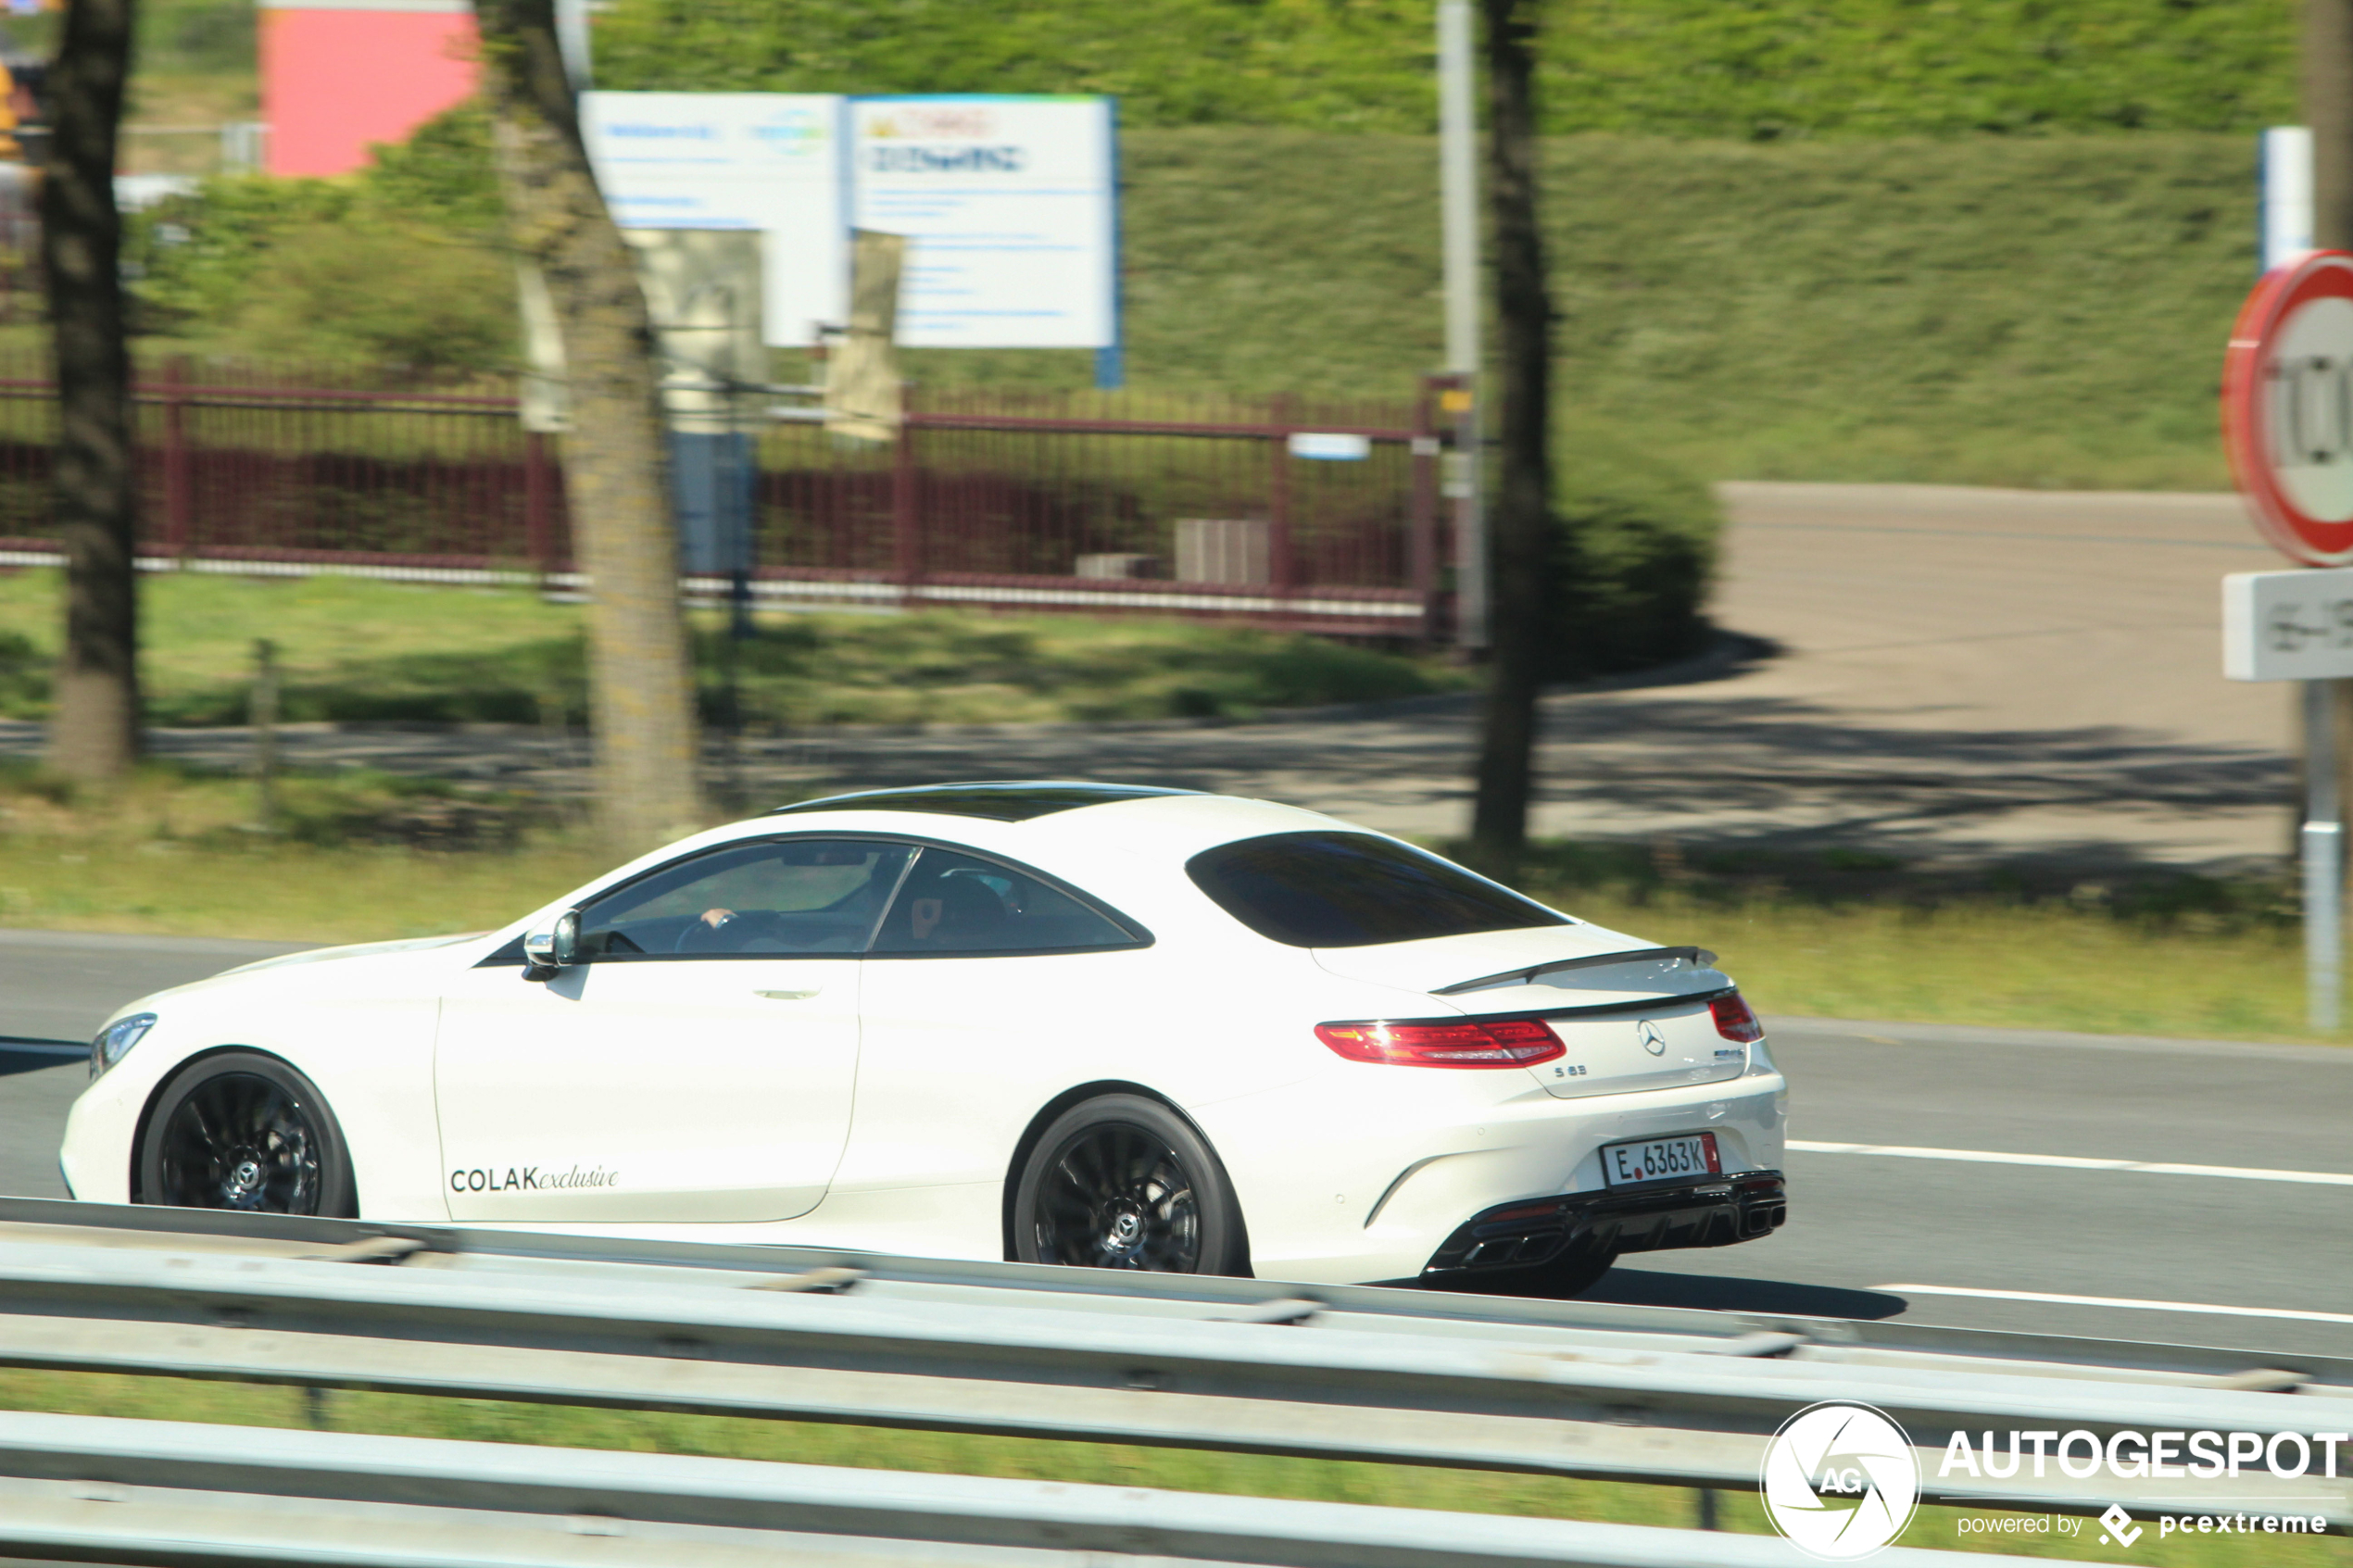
(1105, 503)
(1562, 1388)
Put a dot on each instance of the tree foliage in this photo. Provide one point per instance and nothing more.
(1746, 69)
(1633, 550)
(401, 263)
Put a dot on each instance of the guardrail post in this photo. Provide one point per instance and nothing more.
(906, 516)
(1279, 565)
(179, 488)
(1422, 527)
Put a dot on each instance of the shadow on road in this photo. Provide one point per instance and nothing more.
(15, 1062)
(1645, 1288)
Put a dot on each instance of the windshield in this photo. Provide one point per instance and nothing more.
(1354, 889)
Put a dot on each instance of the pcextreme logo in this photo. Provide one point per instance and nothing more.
(1839, 1481)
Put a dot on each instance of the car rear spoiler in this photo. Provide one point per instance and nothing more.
(1700, 958)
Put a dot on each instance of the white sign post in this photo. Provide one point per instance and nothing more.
(2287, 425)
(2285, 206)
(2298, 626)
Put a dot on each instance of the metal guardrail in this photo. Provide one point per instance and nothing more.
(1568, 1388)
(166, 1492)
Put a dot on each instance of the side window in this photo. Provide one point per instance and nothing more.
(771, 899)
(953, 904)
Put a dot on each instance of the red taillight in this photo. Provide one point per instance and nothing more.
(1484, 1042)
(1735, 1019)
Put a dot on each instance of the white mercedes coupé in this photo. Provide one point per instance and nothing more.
(1062, 1022)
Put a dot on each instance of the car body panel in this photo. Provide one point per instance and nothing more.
(590, 1096)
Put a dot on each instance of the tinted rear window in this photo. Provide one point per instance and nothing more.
(1352, 890)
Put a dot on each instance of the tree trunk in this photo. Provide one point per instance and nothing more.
(2328, 109)
(1520, 520)
(615, 461)
(94, 734)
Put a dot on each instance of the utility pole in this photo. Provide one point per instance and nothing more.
(1458, 208)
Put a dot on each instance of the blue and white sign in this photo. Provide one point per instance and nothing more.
(1330, 446)
(1010, 206)
(770, 161)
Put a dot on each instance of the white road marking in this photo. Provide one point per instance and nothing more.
(2076, 1163)
(2048, 1299)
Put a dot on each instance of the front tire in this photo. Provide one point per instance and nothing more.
(1122, 1182)
(244, 1131)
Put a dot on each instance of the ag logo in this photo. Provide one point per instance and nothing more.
(1654, 1038)
(1839, 1481)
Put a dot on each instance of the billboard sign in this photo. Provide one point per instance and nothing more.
(769, 161)
(1010, 208)
(1009, 204)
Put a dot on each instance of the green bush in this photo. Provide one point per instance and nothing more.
(1634, 547)
(24, 678)
(201, 36)
(399, 264)
(1747, 69)
(385, 294)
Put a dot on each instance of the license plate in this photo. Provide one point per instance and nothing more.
(1660, 1160)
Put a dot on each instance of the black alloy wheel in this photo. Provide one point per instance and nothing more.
(246, 1131)
(1122, 1182)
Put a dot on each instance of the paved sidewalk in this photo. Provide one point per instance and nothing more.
(1928, 670)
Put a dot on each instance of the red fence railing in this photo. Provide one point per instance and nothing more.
(1102, 503)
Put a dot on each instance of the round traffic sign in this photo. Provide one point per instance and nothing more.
(2287, 407)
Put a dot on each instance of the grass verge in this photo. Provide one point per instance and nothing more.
(1102, 1464)
(356, 650)
(357, 856)
(1850, 935)
(2043, 310)
(360, 856)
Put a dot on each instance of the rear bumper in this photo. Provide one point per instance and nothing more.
(1714, 1211)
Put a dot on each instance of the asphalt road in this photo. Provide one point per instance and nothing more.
(1861, 1222)
(1867, 1231)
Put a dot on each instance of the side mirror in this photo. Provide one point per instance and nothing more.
(544, 952)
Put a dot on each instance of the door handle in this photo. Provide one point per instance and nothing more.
(790, 996)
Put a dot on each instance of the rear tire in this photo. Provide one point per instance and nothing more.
(1122, 1182)
(244, 1131)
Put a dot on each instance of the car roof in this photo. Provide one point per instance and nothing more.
(1175, 822)
(1000, 800)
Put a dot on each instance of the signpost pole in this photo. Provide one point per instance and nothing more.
(2322, 843)
(2285, 428)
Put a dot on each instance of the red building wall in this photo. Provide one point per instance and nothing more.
(337, 76)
